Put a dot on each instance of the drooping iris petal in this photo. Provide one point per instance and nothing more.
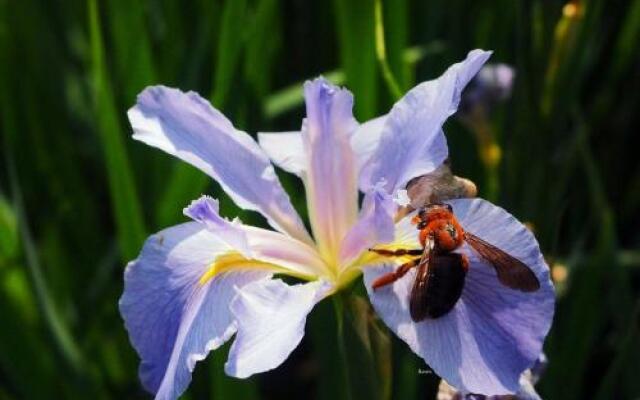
(172, 318)
(188, 127)
(375, 225)
(332, 192)
(271, 317)
(286, 151)
(205, 210)
(412, 142)
(493, 333)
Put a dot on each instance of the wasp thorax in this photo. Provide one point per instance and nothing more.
(447, 236)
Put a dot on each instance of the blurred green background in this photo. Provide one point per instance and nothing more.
(78, 196)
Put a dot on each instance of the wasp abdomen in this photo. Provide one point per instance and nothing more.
(438, 289)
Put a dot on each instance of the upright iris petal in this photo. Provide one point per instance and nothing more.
(332, 193)
(412, 142)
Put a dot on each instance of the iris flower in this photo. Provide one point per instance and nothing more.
(196, 285)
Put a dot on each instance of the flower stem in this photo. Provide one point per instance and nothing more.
(381, 53)
(364, 349)
(338, 306)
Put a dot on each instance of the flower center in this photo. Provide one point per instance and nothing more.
(346, 274)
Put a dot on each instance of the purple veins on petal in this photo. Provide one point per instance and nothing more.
(173, 319)
(174, 316)
(493, 333)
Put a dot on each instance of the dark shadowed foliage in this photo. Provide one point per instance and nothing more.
(78, 195)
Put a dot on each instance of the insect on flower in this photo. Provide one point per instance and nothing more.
(441, 272)
(202, 283)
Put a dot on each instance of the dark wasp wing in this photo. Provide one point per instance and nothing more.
(437, 286)
(418, 299)
(418, 305)
(512, 272)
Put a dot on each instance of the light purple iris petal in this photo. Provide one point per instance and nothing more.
(284, 252)
(186, 126)
(286, 151)
(174, 321)
(412, 142)
(205, 210)
(365, 140)
(271, 317)
(375, 225)
(332, 191)
(493, 333)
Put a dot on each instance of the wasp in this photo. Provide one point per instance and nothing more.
(441, 271)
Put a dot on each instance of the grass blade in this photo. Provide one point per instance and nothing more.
(186, 182)
(356, 34)
(56, 324)
(126, 208)
(290, 97)
(381, 53)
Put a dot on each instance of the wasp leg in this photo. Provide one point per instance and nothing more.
(393, 276)
(398, 253)
(465, 262)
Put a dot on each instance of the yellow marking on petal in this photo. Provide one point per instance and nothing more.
(371, 259)
(233, 260)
